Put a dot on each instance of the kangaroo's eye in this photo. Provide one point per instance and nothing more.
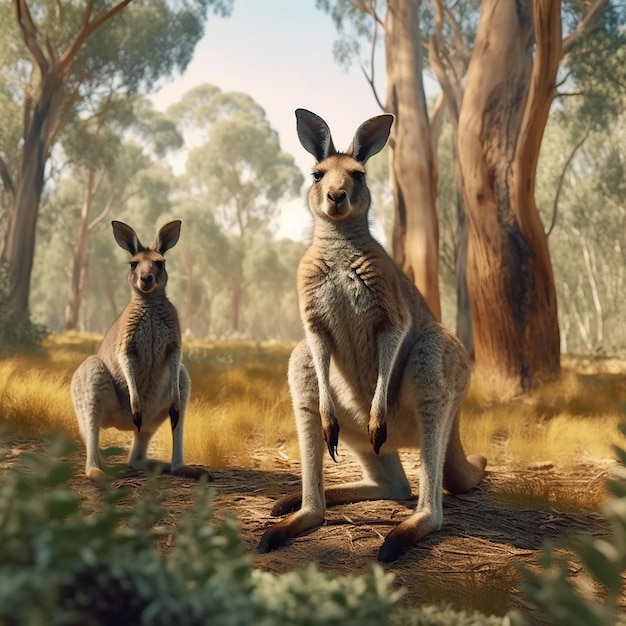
(357, 176)
(133, 265)
(317, 176)
(160, 264)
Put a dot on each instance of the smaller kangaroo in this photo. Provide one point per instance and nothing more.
(137, 379)
(374, 361)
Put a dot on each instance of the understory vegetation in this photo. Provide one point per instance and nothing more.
(75, 554)
(240, 401)
(67, 561)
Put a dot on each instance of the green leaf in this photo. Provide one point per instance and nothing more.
(599, 556)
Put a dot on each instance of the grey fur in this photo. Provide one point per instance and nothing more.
(374, 366)
(136, 379)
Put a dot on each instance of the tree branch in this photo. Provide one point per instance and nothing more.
(87, 29)
(586, 24)
(370, 77)
(29, 35)
(560, 184)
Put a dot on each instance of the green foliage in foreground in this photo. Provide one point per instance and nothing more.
(603, 559)
(17, 331)
(68, 562)
(61, 564)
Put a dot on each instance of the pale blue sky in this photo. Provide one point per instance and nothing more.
(281, 53)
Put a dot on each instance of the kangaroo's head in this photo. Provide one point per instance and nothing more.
(147, 265)
(339, 190)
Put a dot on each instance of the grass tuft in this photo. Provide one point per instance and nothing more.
(240, 402)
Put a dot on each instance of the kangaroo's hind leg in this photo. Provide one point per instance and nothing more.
(93, 393)
(305, 397)
(438, 410)
(383, 479)
(178, 466)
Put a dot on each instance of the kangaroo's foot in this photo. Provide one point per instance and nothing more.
(194, 472)
(463, 474)
(95, 473)
(288, 504)
(407, 534)
(293, 525)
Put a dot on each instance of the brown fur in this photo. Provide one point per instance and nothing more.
(136, 379)
(374, 366)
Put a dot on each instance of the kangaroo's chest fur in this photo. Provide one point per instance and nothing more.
(349, 293)
(147, 334)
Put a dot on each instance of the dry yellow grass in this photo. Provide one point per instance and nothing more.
(240, 402)
(563, 422)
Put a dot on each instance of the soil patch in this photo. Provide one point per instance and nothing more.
(472, 563)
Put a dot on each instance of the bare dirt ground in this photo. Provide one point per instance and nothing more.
(471, 563)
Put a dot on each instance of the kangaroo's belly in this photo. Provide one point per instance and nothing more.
(353, 405)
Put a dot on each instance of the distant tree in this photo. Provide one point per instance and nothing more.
(62, 57)
(239, 170)
(202, 265)
(271, 306)
(109, 167)
(581, 186)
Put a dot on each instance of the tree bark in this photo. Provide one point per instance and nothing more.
(505, 108)
(413, 174)
(44, 118)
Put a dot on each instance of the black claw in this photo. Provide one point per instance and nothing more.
(174, 416)
(331, 437)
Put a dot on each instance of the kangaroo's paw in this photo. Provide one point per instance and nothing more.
(137, 420)
(174, 416)
(330, 430)
(378, 434)
(194, 472)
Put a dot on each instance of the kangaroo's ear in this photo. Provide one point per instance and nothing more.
(370, 137)
(167, 237)
(314, 134)
(126, 237)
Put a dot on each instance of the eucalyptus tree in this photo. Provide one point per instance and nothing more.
(500, 112)
(109, 167)
(59, 60)
(581, 186)
(511, 86)
(412, 166)
(238, 169)
(203, 265)
(271, 304)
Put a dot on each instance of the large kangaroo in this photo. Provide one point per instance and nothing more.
(136, 379)
(374, 361)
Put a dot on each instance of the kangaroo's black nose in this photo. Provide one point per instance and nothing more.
(337, 197)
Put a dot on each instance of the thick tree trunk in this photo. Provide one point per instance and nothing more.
(504, 112)
(411, 162)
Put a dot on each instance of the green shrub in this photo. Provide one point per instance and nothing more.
(61, 564)
(17, 331)
(66, 562)
(603, 559)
